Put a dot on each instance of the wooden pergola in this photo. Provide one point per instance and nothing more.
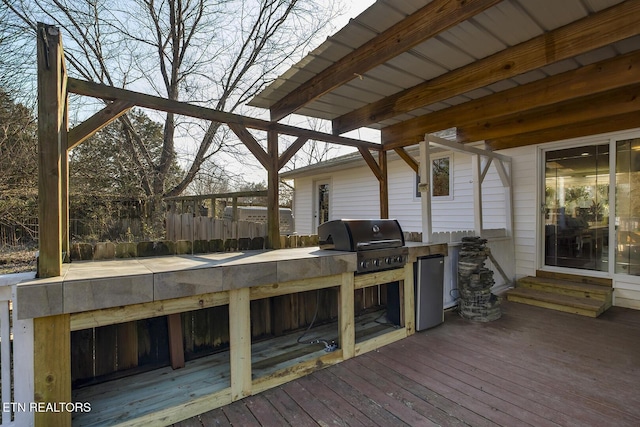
(55, 141)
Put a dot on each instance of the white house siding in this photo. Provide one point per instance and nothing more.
(354, 193)
(524, 179)
(493, 201)
(403, 203)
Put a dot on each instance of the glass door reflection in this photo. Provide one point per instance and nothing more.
(577, 207)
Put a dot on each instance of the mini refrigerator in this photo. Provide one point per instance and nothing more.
(429, 291)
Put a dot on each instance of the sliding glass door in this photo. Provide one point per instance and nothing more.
(586, 225)
(627, 219)
(576, 209)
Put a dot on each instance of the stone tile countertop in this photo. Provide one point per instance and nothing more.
(93, 285)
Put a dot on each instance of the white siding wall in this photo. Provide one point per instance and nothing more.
(525, 206)
(493, 201)
(354, 193)
(456, 213)
(303, 206)
(403, 203)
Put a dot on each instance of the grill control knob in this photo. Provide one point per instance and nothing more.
(376, 262)
(388, 260)
(399, 259)
(364, 264)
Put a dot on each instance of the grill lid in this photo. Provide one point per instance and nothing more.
(360, 234)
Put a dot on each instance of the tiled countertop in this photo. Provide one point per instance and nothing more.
(94, 285)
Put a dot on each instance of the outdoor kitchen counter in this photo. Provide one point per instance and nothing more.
(419, 249)
(93, 285)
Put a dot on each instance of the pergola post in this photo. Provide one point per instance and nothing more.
(51, 109)
(425, 191)
(52, 350)
(384, 185)
(64, 181)
(476, 167)
(273, 191)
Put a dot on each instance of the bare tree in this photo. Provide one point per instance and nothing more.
(217, 53)
(313, 151)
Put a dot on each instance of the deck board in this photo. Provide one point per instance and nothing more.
(530, 367)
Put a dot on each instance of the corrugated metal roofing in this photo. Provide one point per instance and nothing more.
(508, 23)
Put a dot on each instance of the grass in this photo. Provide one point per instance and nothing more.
(17, 259)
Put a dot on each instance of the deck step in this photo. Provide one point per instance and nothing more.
(571, 296)
(568, 304)
(563, 287)
(566, 277)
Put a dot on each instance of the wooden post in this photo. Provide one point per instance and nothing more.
(49, 151)
(52, 369)
(409, 299)
(476, 168)
(346, 315)
(64, 182)
(240, 342)
(425, 190)
(176, 350)
(384, 185)
(273, 192)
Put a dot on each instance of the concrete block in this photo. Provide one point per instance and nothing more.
(160, 248)
(81, 252)
(184, 247)
(254, 274)
(95, 294)
(177, 284)
(298, 269)
(126, 250)
(200, 246)
(104, 250)
(39, 300)
(216, 245)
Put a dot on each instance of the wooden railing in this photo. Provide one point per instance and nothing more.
(16, 358)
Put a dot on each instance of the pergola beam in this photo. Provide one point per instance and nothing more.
(594, 107)
(427, 22)
(250, 142)
(568, 131)
(97, 90)
(99, 120)
(408, 159)
(291, 151)
(591, 79)
(371, 162)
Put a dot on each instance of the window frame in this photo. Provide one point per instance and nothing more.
(418, 195)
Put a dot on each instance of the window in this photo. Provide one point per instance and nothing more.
(440, 178)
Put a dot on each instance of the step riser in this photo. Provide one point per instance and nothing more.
(605, 283)
(557, 307)
(604, 297)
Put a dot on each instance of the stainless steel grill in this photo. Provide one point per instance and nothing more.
(379, 243)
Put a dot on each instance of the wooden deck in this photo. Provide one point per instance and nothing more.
(531, 367)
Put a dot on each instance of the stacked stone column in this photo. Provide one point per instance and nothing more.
(475, 282)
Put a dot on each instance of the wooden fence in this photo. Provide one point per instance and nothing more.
(189, 227)
(109, 352)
